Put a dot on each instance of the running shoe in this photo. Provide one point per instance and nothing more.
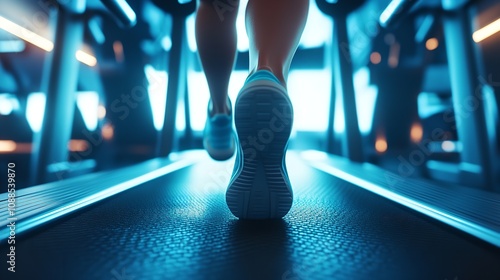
(260, 187)
(218, 135)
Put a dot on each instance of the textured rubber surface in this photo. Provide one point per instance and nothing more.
(179, 227)
(40, 204)
(471, 210)
(260, 188)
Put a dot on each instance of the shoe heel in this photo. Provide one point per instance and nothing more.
(260, 188)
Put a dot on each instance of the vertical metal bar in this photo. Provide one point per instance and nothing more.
(176, 84)
(330, 131)
(51, 145)
(467, 101)
(188, 132)
(352, 145)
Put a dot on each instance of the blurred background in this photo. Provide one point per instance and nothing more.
(393, 158)
(109, 104)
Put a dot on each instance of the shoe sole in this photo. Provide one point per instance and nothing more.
(260, 188)
(218, 154)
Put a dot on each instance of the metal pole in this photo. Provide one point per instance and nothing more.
(177, 76)
(468, 104)
(188, 133)
(51, 145)
(352, 145)
(330, 136)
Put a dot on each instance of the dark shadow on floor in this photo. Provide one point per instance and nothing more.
(259, 249)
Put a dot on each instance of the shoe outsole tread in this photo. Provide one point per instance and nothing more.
(260, 188)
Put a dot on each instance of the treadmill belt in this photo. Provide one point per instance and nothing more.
(178, 227)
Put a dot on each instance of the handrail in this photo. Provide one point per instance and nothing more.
(122, 11)
(395, 10)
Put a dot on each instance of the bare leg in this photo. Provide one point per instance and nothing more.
(274, 28)
(216, 40)
(260, 187)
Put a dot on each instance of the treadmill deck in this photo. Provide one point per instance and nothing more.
(178, 227)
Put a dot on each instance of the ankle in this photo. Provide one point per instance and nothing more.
(223, 111)
(220, 110)
(277, 73)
